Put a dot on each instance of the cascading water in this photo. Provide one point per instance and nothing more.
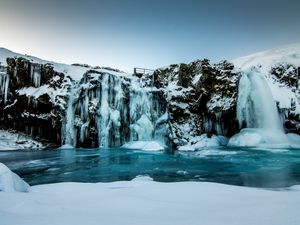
(256, 107)
(69, 132)
(257, 113)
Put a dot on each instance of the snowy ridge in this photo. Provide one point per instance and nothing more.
(75, 72)
(267, 59)
(13, 141)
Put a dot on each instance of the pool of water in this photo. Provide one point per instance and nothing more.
(244, 167)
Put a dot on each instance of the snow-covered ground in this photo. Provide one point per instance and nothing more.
(75, 72)
(143, 201)
(14, 141)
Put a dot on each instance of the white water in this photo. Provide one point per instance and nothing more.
(69, 133)
(257, 113)
(256, 107)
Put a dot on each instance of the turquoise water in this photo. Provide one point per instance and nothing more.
(244, 167)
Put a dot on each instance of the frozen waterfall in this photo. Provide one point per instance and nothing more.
(256, 107)
(107, 110)
(258, 115)
(69, 131)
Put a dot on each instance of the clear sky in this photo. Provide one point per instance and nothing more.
(146, 33)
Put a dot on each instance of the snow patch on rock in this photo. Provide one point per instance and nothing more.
(14, 141)
(203, 141)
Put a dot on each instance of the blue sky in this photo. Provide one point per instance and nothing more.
(126, 34)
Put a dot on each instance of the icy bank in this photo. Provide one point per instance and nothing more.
(143, 201)
(13, 141)
(144, 145)
(11, 182)
(203, 141)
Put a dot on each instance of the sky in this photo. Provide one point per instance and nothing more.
(146, 33)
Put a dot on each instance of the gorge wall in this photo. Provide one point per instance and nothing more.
(87, 106)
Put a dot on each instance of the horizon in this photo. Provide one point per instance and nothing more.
(128, 34)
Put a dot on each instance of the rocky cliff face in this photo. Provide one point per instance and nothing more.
(90, 107)
(201, 98)
(32, 99)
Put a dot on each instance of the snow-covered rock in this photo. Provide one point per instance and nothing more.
(11, 182)
(201, 99)
(15, 141)
(203, 141)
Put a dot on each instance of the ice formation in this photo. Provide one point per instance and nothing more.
(257, 113)
(117, 107)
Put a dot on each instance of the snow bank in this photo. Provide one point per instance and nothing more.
(255, 137)
(144, 145)
(11, 182)
(146, 202)
(13, 141)
(204, 141)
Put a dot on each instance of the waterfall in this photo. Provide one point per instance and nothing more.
(111, 110)
(258, 115)
(69, 132)
(256, 107)
(35, 74)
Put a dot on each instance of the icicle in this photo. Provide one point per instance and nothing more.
(35, 74)
(70, 131)
(83, 131)
(4, 85)
(103, 113)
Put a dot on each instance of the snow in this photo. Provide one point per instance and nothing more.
(144, 145)
(11, 182)
(285, 96)
(196, 79)
(13, 141)
(255, 137)
(143, 201)
(35, 93)
(75, 72)
(203, 141)
(218, 101)
(265, 60)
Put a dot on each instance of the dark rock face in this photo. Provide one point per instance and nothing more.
(173, 105)
(29, 103)
(201, 98)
